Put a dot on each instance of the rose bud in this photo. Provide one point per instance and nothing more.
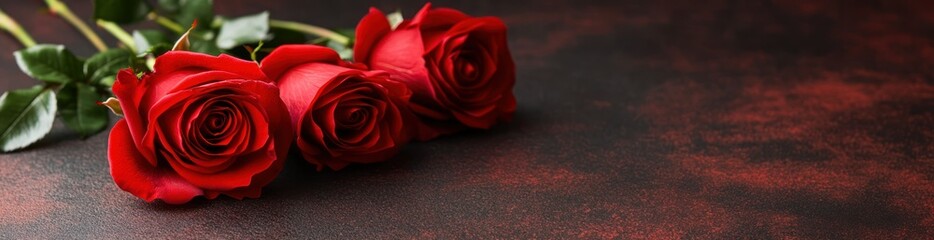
(458, 67)
(341, 113)
(198, 125)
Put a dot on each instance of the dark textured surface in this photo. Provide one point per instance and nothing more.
(649, 119)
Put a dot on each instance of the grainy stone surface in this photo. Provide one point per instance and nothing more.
(636, 119)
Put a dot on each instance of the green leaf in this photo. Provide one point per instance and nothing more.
(243, 30)
(279, 37)
(170, 6)
(185, 12)
(121, 11)
(77, 103)
(151, 41)
(344, 51)
(350, 33)
(395, 18)
(26, 115)
(50, 63)
(286, 36)
(204, 46)
(159, 49)
(105, 65)
(189, 42)
(107, 82)
(139, 65)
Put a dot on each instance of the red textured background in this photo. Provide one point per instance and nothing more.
(637, 119)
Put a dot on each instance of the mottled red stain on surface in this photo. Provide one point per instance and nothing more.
(520, 170)
(568, 29)
(836, 182)
(27, 195)
(637, 119)
(661, 214)
(813, 135)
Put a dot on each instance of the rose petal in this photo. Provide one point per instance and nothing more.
(434, 22)
(400, 53)
(300, 86)
(133, 174)
(174, 81)
(286, 57)
(174, 61)
(322, 94)
(126, 90)
(369, 31)
(238, 174)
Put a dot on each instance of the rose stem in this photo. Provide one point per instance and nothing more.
(61, 9)
(118, 33)
(8, 24)
(166, 23)
(310, 29)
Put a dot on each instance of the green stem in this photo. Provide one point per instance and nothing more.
(166, 23)
(61, 9)
(310, 29)
(118, 33)
(8, 24)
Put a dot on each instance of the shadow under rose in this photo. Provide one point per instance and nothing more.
(300, 177)
(301, 180)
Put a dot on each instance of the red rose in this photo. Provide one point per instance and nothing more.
(198, 125)
(341, 114)
(458, 67)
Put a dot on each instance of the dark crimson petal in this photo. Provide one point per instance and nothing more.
(489, 66)
(226, 151)
(311, 136)
(374, 136)
(448, 75)
(281, 136)
(443, 17)
(340, 113)
(479, 107)
(369, 31)
(322, 116)
(300, 86)
(435, 22)
(239, 173)
(260, 124)
(488, 28)
(446, 95)
(334, 90)
(350, 117)
(353, 93)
